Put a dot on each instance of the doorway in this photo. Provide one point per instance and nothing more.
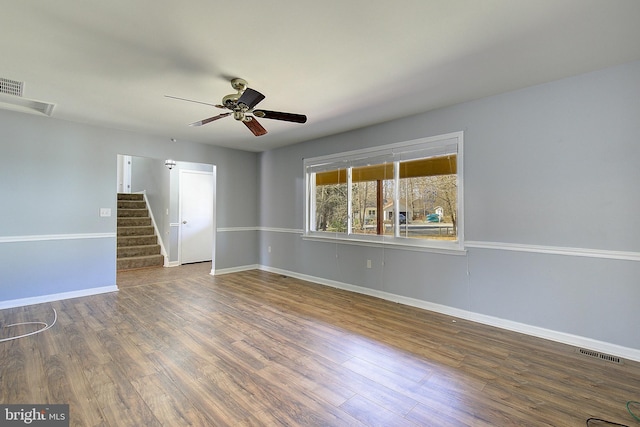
(162, 187)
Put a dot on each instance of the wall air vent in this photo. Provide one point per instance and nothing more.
(11, 87)
(11, 99)
(601, 356)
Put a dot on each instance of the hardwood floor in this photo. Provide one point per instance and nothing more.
(177, 347)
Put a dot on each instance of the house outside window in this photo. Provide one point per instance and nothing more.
(408, 193)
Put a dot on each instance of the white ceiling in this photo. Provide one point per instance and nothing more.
(345, 64)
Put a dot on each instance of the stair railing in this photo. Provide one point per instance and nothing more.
(163, 251)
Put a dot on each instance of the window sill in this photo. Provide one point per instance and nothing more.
(401, 244)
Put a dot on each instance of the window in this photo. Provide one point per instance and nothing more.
(408, 193)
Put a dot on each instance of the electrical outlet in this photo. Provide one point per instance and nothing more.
(269, 249)
(105, 212)
(368, 263)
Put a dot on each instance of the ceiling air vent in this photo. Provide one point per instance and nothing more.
(11, 87)
(11, 99)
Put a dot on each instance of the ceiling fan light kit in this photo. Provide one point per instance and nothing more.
(242, 106)
(170, 163)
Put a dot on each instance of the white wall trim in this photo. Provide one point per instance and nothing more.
(556, 250)
(282, 230)
(231, 229)
(272, 229)
(562, 337)
(43, 237)
(56, 297)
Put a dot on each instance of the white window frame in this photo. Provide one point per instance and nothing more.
(391, 151)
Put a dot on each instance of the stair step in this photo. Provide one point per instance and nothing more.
(136, 231)
(137, 221)
(135, 251)
(132, 204)
(140, 262)
(136, 240)
(130, 196)
(132, 213)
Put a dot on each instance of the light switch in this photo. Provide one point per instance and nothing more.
(105, 211)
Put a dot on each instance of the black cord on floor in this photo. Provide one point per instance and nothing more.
(600, 420)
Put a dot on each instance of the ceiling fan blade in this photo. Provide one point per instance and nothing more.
(209, 120)
(278, 115)
(250, 98)
(191, 100)
(254, 126)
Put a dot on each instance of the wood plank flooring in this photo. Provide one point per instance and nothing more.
(178, 347)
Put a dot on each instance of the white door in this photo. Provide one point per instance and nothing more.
(196, 216)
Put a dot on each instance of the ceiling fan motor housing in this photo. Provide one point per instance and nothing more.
(229, 101)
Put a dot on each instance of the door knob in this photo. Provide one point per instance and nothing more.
(184, 222)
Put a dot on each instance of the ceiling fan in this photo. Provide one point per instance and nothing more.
(242, 108)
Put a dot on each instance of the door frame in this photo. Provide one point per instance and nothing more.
(213, 219)
(124, 173)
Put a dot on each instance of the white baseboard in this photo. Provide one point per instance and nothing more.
(57, 297)
(562, 337)
(221, 271)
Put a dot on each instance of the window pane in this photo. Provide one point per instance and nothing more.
(428, 205)
(387, 218)
(331, 208)
(364, 207)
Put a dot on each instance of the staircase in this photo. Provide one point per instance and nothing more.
(137, 242)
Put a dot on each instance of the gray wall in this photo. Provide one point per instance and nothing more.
(551, 178)
(56, 175)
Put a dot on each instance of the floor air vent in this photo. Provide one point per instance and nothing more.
(601, 356)
(11, 87)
